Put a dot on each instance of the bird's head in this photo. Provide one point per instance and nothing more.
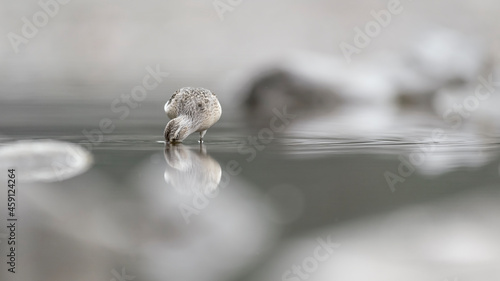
(178, 129)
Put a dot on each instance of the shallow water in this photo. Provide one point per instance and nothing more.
(134, 207)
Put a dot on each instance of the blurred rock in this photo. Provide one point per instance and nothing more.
(441, 58)
(458, 152)
(473, 108)
(407, 80)
(209, 236)
(452, 239)
(45, 160)
(288, 85)
(51, 224)
(93, 226)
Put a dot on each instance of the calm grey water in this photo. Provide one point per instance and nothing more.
(229, 209)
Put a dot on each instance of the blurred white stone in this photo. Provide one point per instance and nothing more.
(45, 160)
(145, 225)
(456, 237)
(454, 154)
(226, 234)
(447, 55)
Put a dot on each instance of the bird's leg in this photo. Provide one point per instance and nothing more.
(203, 149)
(202, 134)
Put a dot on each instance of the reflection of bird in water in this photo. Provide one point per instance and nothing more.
(191, 110)
(191, 172)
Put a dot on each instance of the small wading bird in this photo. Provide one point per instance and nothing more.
(191, 110)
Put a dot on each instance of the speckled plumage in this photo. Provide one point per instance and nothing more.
(191, 110)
